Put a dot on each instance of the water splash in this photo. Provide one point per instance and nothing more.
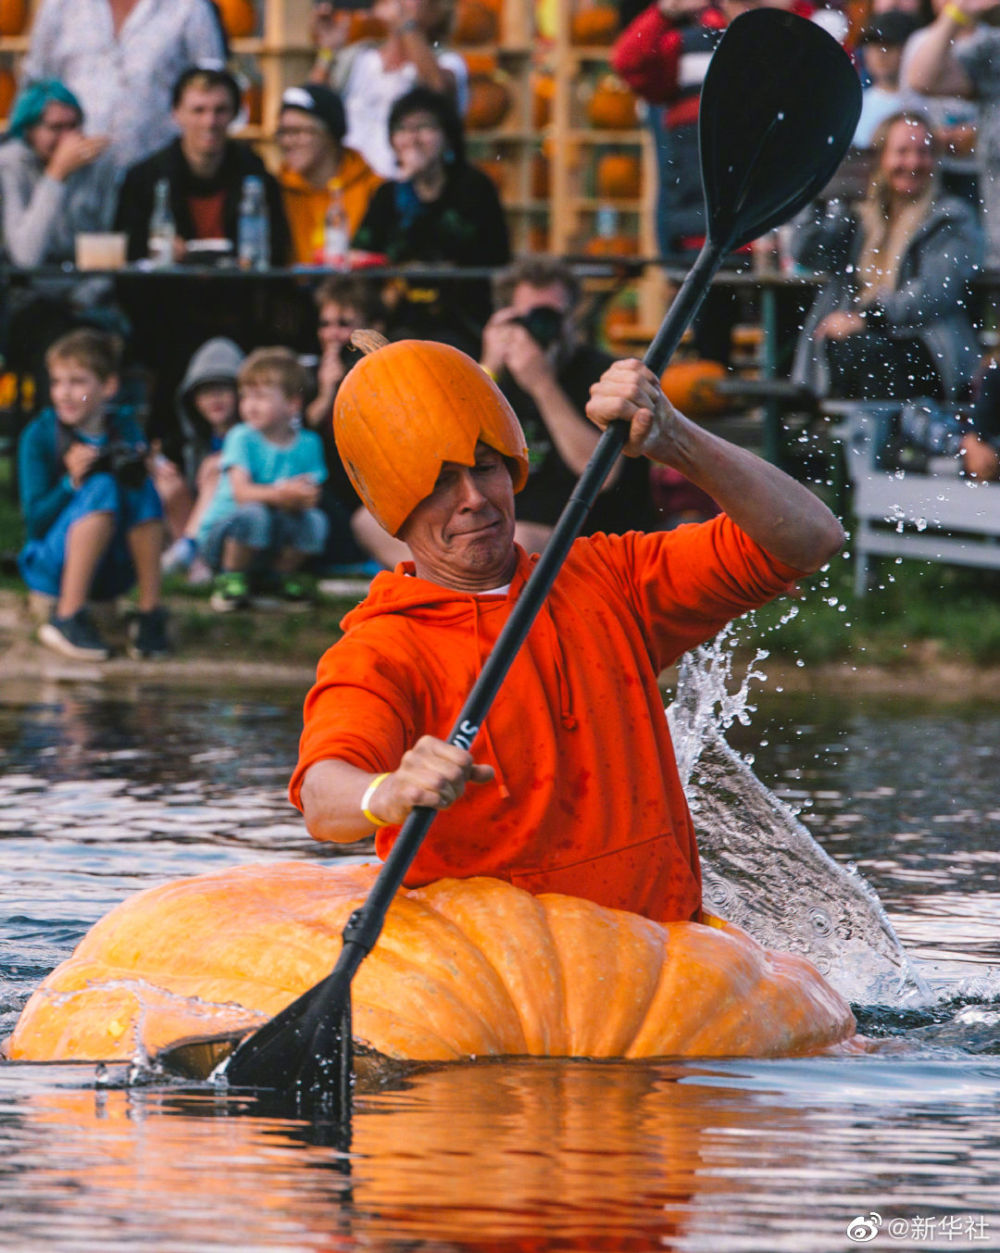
(761, 867)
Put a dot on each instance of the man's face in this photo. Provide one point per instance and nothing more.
(462, 534)
(203, 115)
(304, 142)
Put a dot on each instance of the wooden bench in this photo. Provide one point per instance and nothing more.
(937, 516)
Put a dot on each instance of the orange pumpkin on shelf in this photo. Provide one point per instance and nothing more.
(618, 245)
(496, 172)
(239, 17)
(480, 63)
(620, 320)
(489, 102)
(612, 105)
(540, 179)
(475, 23)
(537, 238)
(463, 968)
(253, 101)
(13, 16)
(8, 90)
(693, 387)
(594, 24)
(618, 176)
(543, 94)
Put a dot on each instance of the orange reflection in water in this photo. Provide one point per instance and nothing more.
(498, 1156)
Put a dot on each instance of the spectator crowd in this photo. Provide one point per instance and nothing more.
(223, 467)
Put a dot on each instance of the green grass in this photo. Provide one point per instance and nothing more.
(912, 608)
(11, 525)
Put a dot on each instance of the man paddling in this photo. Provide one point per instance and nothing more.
(571, 785)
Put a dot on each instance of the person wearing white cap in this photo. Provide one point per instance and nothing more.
(316, 165)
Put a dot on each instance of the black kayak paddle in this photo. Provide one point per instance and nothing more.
(779, 105)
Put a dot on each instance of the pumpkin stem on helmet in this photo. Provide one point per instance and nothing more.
(367, 341)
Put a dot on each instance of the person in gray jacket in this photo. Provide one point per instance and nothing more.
(55, 182)
(892, 321)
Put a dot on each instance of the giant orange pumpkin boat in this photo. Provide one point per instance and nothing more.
(463, 968)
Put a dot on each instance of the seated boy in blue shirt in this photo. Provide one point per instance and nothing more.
(264, 519)
(93, 518)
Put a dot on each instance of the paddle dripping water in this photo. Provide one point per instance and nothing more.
(761, 867)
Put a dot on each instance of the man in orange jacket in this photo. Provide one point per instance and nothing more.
(572, 785)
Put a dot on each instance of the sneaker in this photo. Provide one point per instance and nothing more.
(231, 592)
(199, 573)
(75, 636)
(179, 555)
(291, 592)
(147, 634)
(296, 592)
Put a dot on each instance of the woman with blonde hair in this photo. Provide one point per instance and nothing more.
(892, 321)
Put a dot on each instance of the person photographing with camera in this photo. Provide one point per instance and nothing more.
(93, 518)
(532, 349)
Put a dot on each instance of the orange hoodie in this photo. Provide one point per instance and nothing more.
(305, 205)
(587, 799)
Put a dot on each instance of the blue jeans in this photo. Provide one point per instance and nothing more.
(267, 531)
(41, 561)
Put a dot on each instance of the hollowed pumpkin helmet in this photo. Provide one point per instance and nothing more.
(406, 408)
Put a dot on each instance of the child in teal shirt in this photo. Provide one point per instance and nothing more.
(264, 519)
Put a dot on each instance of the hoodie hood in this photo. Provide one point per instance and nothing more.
(216, 361)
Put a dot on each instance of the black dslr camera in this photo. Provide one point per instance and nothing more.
(543, 323)
(126, 462)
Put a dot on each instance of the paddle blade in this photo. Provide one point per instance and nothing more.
(780, 104)
(305, 1048)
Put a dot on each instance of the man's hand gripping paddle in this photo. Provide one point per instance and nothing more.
(778, 109)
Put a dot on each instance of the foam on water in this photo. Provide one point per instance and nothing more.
(761, 867)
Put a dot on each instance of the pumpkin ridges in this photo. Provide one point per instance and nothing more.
(621, 954)
(411, 1038)
(437, 978)
(706, 992)
(724, 969)
(511, 928)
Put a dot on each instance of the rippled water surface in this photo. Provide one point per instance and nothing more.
(103, 792)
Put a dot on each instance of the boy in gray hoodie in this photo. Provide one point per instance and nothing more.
(207, 409)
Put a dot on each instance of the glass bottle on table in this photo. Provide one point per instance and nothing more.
(336, 231)
(253, 236)
(162, 228)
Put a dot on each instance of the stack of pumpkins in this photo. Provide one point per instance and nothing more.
(611, 106)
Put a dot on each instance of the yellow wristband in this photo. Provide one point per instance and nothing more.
(370, 791)
(488, 372)
(958, 16)
(324, 56)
